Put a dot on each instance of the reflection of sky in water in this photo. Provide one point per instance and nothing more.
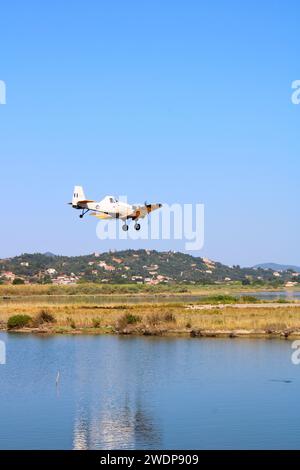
(114, 427)
(114, 413)
(147, 393)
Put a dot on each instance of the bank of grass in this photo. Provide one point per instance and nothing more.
(82, 289)
(161, 319)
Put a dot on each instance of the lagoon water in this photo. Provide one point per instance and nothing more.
(148, 393)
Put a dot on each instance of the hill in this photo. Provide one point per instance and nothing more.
(132, 266)
(278, 267)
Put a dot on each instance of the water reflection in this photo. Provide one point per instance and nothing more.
(112, 409)
(126, 426)
(148, 393)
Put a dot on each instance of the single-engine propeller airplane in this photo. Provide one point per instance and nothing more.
(111, 208)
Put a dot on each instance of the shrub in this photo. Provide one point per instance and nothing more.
(18, 281)
(44, 317)
(170, 318)
(96, 322)
(131, 319)
(127, 319)
(18, 321)
(282, 301)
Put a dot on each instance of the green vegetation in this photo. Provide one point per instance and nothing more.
(18, 281)
(127, 319)
(137, 266)
(18, 321)
(9, 291)
(131, 319)
(91, 289)
(219, 299)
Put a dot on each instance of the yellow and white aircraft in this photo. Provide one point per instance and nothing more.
(111, 208)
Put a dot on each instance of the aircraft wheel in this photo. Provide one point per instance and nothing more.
(81, 216)
(125, 227)
(137, 227)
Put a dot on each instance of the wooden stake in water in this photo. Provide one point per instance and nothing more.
(57, 378)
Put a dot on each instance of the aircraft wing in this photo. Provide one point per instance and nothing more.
(141, 211)
(101, 215)
(85, 201)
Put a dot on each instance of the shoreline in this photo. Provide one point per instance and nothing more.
(200, 320)
(135, 333)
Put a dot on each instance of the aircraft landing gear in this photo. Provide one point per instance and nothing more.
(137, 226)
(125, 227)
(83, 213)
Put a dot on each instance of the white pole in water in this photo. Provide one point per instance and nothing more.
(57, 378)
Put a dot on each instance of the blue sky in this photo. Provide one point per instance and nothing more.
(167, 101)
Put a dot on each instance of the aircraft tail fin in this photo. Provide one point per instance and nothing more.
(78, 195)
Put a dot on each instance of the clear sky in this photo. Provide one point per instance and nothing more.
(169, 101)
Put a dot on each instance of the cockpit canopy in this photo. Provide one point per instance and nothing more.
(111, 199)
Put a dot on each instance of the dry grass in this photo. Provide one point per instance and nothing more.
(166, 317)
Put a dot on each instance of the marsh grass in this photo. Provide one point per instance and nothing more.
(172, 317)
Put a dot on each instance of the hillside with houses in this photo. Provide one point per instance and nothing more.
(135, 266)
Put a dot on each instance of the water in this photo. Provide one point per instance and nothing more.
(136, 299)
(286, 294)
(148, 393)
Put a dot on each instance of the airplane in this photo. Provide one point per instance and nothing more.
(111, 208)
